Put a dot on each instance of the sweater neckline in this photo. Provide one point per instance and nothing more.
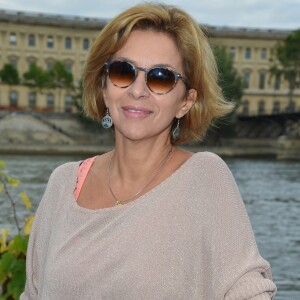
(135, 202)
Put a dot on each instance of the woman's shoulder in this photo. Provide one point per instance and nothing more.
(208, 159)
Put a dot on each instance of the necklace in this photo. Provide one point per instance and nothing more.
(120, 202)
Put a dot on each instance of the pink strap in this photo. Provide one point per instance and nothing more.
(81, 175)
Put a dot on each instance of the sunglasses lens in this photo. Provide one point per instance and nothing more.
(160, 80)
(121, 73)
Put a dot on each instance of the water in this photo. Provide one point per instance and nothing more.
(270, 189)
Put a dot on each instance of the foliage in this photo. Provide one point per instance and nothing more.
(36, 77)
(9, 74)
(60, 77)
(286, 63)
(232, 89)
(229, 80)
(13, 253)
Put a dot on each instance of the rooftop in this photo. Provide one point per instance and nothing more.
(70, 21)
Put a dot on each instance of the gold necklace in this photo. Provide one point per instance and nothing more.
(120, 202)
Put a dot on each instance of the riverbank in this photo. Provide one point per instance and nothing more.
(57, 134)
(91, 150)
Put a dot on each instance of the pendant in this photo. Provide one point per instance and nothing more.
(118, 203)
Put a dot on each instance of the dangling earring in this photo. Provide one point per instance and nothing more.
(176, 131)
(106, 121)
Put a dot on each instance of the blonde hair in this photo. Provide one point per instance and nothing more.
(199, 64)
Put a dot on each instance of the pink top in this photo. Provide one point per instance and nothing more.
(81, 175)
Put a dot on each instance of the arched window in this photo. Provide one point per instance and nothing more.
(12, 39)
(276, 107)
(246, 79)
(277, 82)
(13, 99)
(50, 101)
(261, 107)
(245, 110)
(248, 53)
(50, 41)
(291, 107)
(32, 100)
(68, 103)
(68, 43)
(263, 53)
(262, 80)
(68, 66)
(31, 40)
(86, 44)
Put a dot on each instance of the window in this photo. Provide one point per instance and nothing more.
(12, 39)
(68, 66)
(86, 44)
(246, 79)
(248, 53)
(261, 107)
(32, 100)
(276, 107)
(262, 80)
(49, 64)
(50, 101)
(263, 54)
(13, 99)
(13, 60)
(50, 41)
(232, 52)
(68, 103)
(277, 82)
(31, 62)
(31, 40)
(245, 110)
(68, 43)
(291, 107)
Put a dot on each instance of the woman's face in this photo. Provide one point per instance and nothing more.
(137, 112)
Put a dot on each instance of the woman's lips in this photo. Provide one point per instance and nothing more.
(136, 112)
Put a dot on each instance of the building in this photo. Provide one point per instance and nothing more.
(33, 38)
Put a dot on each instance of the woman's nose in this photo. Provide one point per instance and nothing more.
(138, 89)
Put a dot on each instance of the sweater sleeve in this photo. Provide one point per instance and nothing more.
(240, 271)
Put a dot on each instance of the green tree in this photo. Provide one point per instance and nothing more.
(36, 77)
(286, 63)
(60, 77)
(232, 88)
(9, 75)
(229, 80)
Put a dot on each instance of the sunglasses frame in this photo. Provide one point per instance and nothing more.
(146, 70)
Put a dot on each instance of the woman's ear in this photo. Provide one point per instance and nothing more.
(187, 103)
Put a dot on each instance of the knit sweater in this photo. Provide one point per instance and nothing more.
(187, 238)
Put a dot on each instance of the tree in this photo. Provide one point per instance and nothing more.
(36, 77)
(9, 75)
(232, 88)
(286, 63)
(229, 80)
(60, 77)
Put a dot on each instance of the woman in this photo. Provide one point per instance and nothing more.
(148, 219)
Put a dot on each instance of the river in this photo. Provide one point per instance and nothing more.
(270, 189)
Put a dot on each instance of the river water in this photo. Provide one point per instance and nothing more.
(270, 189)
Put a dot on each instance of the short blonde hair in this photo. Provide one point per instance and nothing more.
(198, 62)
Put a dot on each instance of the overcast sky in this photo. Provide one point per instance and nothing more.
(276, 14)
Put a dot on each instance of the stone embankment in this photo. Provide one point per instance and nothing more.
(57, 134)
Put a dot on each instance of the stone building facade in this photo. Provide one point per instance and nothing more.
(27, 38)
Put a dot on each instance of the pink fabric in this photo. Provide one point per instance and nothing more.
(81, 175)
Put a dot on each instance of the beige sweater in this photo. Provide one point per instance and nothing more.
(188, 238)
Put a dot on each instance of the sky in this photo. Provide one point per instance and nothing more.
(271, 14)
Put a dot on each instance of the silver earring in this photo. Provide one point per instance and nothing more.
(106, 121)
(176, 131)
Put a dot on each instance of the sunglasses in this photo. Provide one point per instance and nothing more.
(160, 80)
